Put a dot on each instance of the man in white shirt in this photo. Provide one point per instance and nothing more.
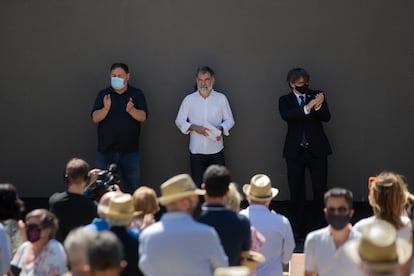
(206, 115)
(324, 251)
(177, 245)
(276, 228)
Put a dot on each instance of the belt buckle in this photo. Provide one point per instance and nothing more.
(305, 146)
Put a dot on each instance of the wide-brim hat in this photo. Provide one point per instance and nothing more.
(232, 271)
(178, 187)
(251, 259)
(120, 207)
(379, 249)
(260, 188)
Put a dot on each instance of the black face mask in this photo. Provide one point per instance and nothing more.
(337, 222)
(302, 89)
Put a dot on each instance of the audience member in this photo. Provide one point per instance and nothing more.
(379, 251)
(324, 253)
(205, 114)
(145, 202)
(11, 208)
(276, 228)
(100, 224)
(119, 214)
(106, 255)
(76, 244)
(41, 254)
(177, 245)
(232, 228)
(71, 207)
(233, 200)
(388, 196)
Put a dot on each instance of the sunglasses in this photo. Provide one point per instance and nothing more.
(340, 210)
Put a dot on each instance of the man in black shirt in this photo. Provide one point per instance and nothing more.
(119, 111)
(70, 207)
(232, 228)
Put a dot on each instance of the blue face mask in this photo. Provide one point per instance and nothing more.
(117, 83)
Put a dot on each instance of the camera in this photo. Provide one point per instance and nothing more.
(106, 181)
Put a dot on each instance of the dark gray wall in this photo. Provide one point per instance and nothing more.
(55, 57)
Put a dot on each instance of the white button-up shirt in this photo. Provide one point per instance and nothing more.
(279, 244)
(179, 246)
(213, 110)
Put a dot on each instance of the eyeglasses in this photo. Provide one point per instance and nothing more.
(340, 210)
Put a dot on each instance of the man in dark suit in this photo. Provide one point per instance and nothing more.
(306, 146)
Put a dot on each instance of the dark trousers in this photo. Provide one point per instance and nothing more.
(318, 169)
(200, 162)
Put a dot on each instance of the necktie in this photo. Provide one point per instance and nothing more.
(303, 141)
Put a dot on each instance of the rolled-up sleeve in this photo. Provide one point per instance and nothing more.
(182, 117)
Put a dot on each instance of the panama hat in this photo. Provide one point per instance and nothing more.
(251, 259)
(379, 249)
(120, 207)
(260, 188)
(232, 271)
(178, 187)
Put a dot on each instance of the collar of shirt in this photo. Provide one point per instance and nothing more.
(213, 207)
(175, 216)
(299, 95)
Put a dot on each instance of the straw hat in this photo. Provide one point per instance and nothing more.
(251, 260)
(260, 188)
(232, 271)
(178, 187)
(120, 207)
(379, 249)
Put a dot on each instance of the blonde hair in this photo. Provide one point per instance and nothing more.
(145, 200)
(388, 197)
(233, 198)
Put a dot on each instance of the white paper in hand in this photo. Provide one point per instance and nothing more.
(213, 132)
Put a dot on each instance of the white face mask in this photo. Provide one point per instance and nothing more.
(117, 83)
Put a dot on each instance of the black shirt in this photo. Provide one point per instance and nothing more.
(72, 210)
(119, 132)
(232, 228)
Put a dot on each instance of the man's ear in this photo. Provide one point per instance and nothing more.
(325, 210)
(351, 213)
(203, 186)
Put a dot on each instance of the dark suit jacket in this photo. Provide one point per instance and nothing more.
(297, 121)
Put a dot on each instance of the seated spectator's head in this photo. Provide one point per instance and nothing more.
(11, 206)
(216, 180)
(260, 190)
(388, 196)
(379, 251)
(77, 172)
(179, 193)
(338, 207)
(120, 210)
(41, 226)
(233, 198)
(145, 201)
(76, 245)
(106, 255)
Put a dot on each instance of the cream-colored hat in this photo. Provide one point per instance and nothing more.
(379, 249)
(251, 259)
(232, 271)
(260, 188)
(120, 207)
(178, 187)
